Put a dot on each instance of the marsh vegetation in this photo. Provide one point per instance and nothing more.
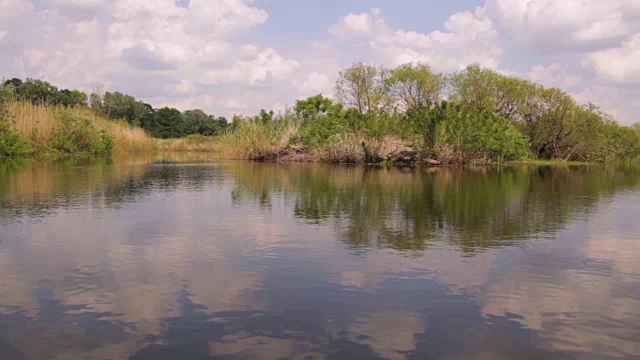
(407, 115)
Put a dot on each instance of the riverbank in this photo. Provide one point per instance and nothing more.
(378, 115)
(39, 129)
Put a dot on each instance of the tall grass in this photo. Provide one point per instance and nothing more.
(52, 129)
(257, 140)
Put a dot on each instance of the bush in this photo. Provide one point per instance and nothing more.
(11, 143)
(76, 134)
(262, 139)
(614, 141)
(482, 137)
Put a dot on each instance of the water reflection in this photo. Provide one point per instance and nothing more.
(411, 209)
(135, 257)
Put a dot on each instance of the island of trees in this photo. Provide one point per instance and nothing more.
(404, 115)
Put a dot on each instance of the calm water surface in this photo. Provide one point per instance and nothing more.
(144, 259)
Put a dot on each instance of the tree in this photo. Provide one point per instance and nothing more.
(313, 107)
(37, 91)
(15, 82)
(167, 123)
(213, 126)
(364, 87)
(475, 136)
(414, 86)
(71, 98)
(474, 88)
(266, 116)
(554, 122)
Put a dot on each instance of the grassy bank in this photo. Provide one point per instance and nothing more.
(39, 129)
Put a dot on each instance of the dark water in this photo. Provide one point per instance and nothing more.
(116, 259)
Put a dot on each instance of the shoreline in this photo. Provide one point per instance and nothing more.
(312, 159)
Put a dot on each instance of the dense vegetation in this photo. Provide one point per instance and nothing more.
(401, 115)
(161, 123)
(27, 127)
(405, 115)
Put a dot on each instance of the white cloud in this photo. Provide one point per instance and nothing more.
(618, 65)
(192, 56)
(267, 66)
(314, 83)
(467, 39)
(12, 9)
(152, 49)
(554, 75)
(353, 24)
(550, 26)
(621, 102)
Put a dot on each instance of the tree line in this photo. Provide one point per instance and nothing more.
(472, 115)
(162, 123)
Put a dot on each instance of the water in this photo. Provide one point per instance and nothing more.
(191, 259)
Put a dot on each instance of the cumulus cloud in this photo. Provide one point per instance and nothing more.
(468, 38)
(547, 26)
(555, 75)
(354, 24)
(195, 53)
(619, 65)
(153, 49)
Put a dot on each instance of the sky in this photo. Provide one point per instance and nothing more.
(239, 56)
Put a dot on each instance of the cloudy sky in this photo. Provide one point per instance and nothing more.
(237, 56)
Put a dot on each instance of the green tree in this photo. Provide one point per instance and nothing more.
(37, 91)
(194, 121)
(363, 87)
(313, 106)
(415, 86)
(167, 123)
(482, 136)
(71, 98)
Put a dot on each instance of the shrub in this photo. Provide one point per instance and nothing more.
(262, 139)
(482, 137)
(75, 134)
(11, 143)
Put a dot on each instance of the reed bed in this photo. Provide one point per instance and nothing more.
(42, 126)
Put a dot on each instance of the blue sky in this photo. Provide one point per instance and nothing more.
(237, 56)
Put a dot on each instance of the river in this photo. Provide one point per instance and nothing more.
(181, 256)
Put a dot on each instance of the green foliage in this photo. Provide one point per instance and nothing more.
(167, 123)
(36, 91)
(415, 86)
(77, 134)
(313, 107)
(378, 113)
(328, 124)
(364, 87)
(69, 98)
(613, 141)
(7, 92)
(424, 124)
(198, 122)
(11, 143)
(474, 136)
(117, 106)
(263, 137)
